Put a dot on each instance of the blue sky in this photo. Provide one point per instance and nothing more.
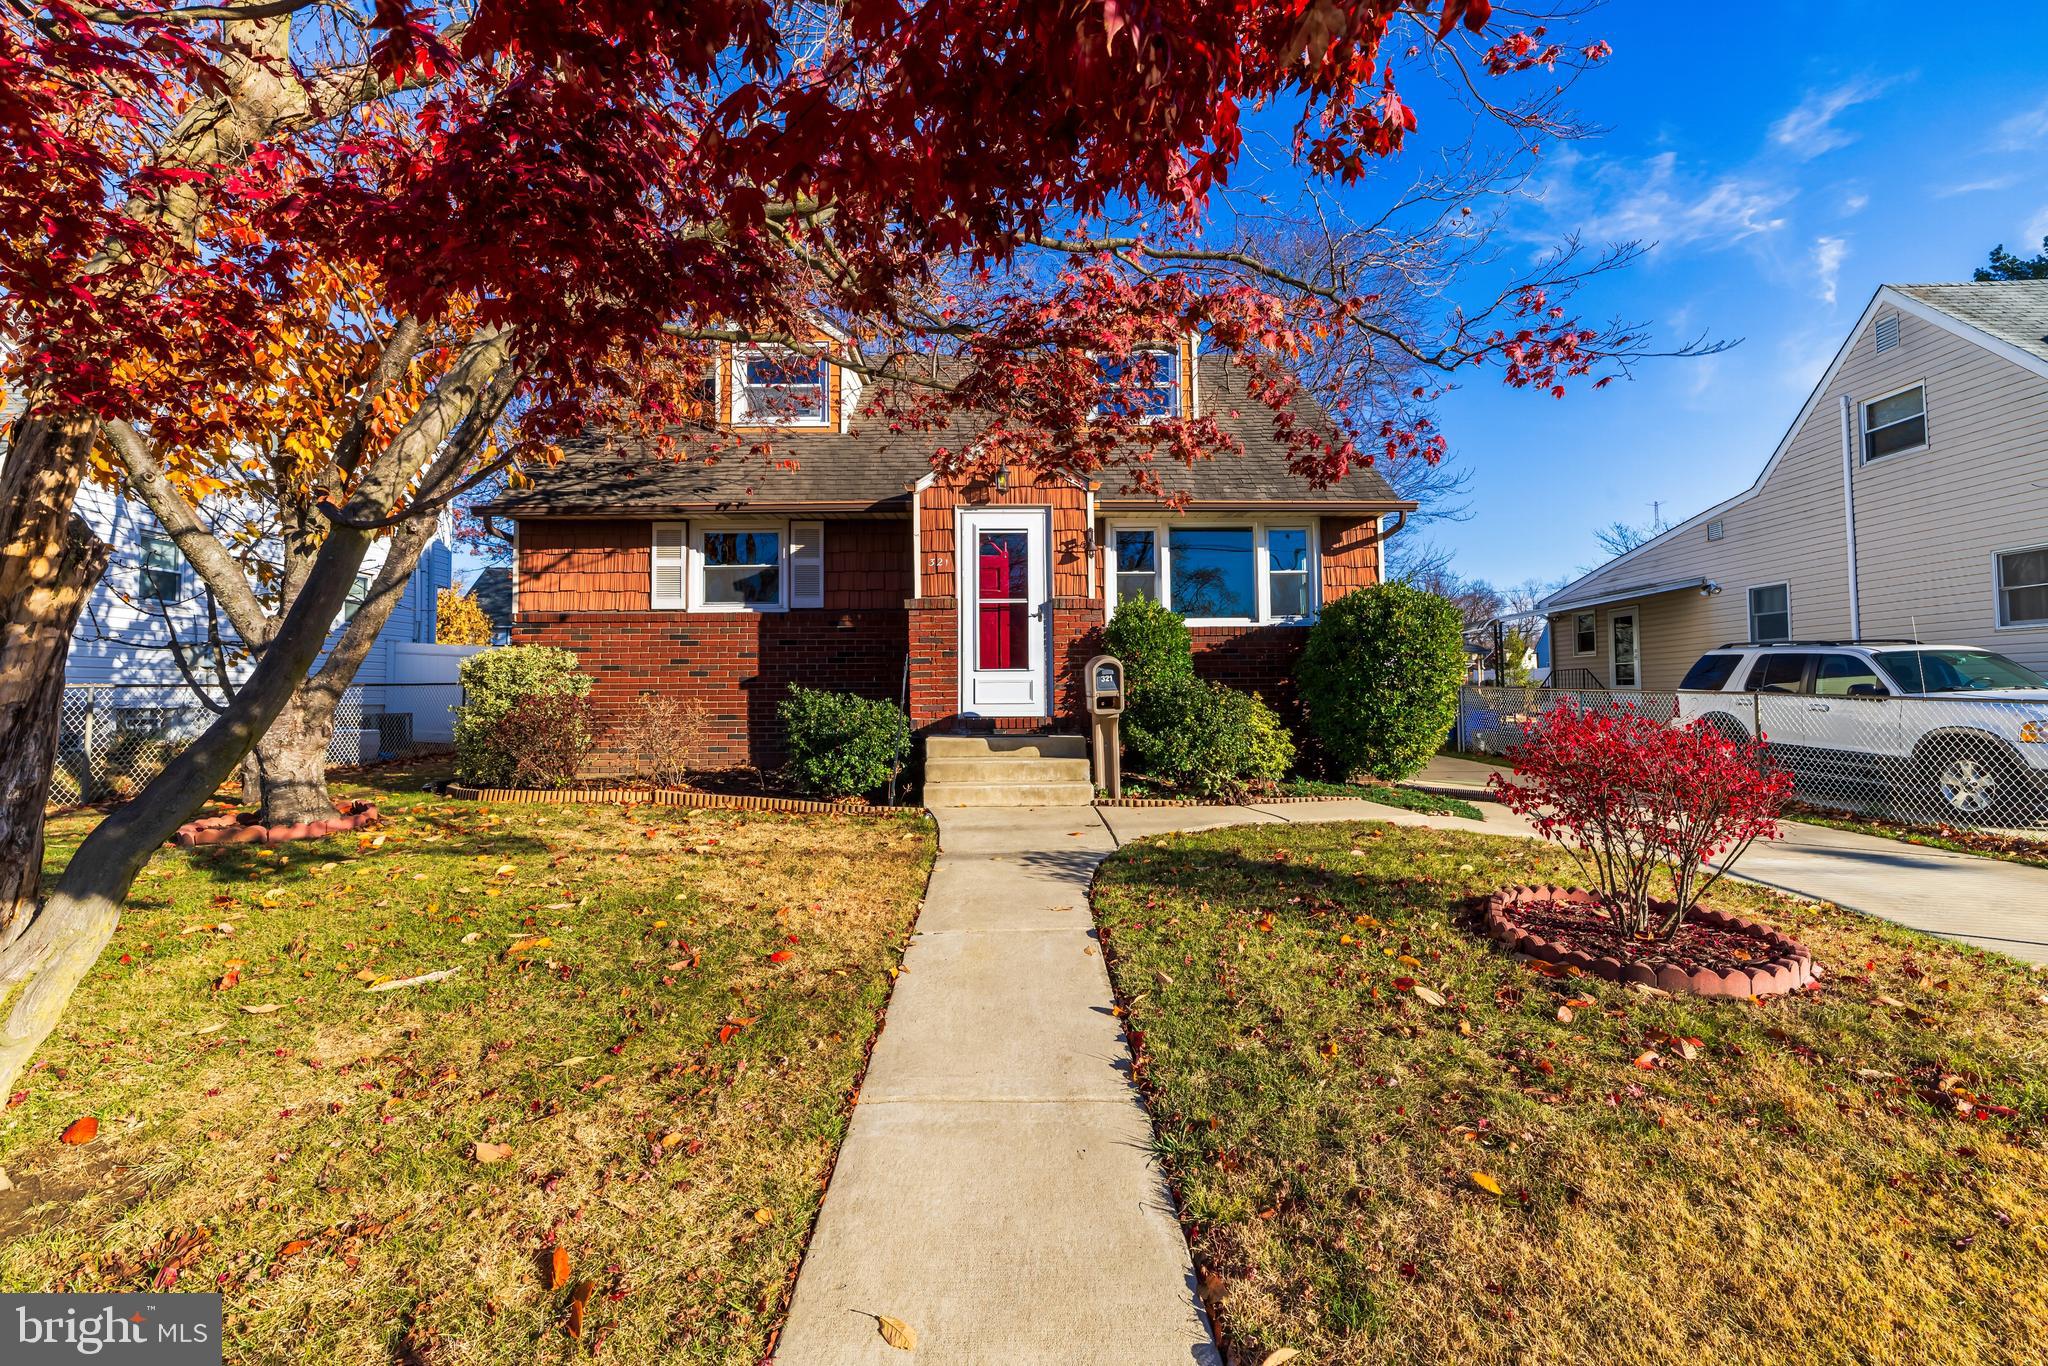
(1787, 159)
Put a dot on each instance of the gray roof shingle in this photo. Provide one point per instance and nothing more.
(2014, 311)
(871, 468)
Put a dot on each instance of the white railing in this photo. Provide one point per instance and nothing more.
(116, 737)
(1922, 760)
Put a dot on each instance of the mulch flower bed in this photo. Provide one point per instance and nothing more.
(244, 828)
(1714, 954)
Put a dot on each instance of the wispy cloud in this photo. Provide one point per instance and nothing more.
(2036, 230)
(1828, 255)
(1809, 128)
(1659, 202)
(1984, 186)
(1854, 202)
(2028, 128)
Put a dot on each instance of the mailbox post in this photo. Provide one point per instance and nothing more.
(1105, 707)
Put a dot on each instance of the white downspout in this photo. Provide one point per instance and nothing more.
(1849, 513)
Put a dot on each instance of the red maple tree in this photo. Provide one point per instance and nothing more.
(565, 207)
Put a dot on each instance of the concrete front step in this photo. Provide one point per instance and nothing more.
(1008, 794)
(998, 746)
(1005, 768)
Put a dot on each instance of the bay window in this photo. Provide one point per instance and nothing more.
(1223, 573)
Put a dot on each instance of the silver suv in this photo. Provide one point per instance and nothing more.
(1953, 728)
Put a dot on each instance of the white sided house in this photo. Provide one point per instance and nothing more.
(149, 610)
(1909, 500)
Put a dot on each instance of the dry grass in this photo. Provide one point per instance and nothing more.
(315, 1163)
(1800, 1188)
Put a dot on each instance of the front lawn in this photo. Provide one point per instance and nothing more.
(642, 1058)
(1386, 794)
(1562, 1170)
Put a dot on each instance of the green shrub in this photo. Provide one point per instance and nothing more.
(492, 683)
(1154, 644)
(1207, 740)
(1379, 680)
(841, 744)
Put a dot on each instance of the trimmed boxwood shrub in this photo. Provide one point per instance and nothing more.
(1208, 740)
(1378, 680)
(492, 683)
(841, 744)
(1153, 642)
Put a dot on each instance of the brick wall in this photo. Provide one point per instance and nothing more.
(736, 665)
(1256, 659)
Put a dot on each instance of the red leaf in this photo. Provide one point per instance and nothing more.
(80, 1131)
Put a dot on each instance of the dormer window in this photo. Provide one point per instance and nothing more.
(775, 386)
(1156, 390)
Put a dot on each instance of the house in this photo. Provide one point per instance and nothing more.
(1909, 500)
(974, 605)
(145, 632)
(493, 593)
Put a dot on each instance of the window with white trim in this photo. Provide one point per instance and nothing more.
(1585, 634)
(1770, 612)
(1136, 554)
(1895, 423)
(774, 386)
(163, 569)
(1223, 573)
(1156, 391)
(738, 569)
(2023, 587)
(1287, 594)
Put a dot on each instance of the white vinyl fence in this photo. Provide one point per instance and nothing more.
(1923, 760)
(117, 737)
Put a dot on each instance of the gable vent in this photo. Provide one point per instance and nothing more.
(1887, 332)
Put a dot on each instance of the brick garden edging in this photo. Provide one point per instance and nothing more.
(1787, 967)
(243, 828)
(664, 796)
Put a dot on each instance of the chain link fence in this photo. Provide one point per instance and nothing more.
(116, 737)
(1921, 760)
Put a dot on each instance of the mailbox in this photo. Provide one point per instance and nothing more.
(1105, 710)
(1105, 686)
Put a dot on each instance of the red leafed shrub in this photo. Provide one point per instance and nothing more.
(1630, 796)
(544, 738)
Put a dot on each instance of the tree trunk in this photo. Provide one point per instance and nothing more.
(48, 959)
(289, 764)
(285, 775)
(49, 561)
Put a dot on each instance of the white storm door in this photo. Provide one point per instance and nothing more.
(1004, 584)
(1627, 658)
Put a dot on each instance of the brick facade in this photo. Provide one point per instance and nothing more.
(584, 585)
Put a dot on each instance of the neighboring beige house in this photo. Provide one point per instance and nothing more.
(1909, 500)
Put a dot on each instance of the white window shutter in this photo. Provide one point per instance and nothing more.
(806, 564)
(668, 564)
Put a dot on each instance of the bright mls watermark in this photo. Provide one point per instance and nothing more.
(125, 1330)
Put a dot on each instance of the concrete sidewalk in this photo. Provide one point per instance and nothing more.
(996, 1189)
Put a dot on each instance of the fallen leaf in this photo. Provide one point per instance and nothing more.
(421, 980)
(80, 1131)
(1564, 1014)
(1894, 1002)
(558, 1267)
(1433, 998)
(1281, 1357)
(5, 1184)
(267, 1008)
(487, 1153)
(294, 1248)
(779, 956)
(531, 941)
(764, 1216)
(896, 1332)
(1486, 1183)
(579, 1297)
(1647, 1061)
